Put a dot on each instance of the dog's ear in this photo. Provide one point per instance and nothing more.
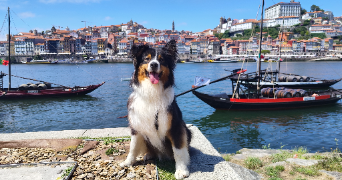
(170, 51)
(137, 52)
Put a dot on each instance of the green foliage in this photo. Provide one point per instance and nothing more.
(311, 171)
(266, 52)
(281, 156)
(320, 35)
(302, 11)
(315, 8)
(274, 172)
(307, 22)
(111, 151)
(331, 164)
(227, 157)
(37, 57)
(253, 163)
(166, 170)
(226, 34)
(238, 35)
(67, 172)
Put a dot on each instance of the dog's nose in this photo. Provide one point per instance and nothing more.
(154, 65)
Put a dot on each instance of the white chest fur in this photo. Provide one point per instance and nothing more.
(147, 100)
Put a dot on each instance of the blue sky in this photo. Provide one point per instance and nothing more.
(192, 15)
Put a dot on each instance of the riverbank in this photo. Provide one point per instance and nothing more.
(98, 153)
(289, 164)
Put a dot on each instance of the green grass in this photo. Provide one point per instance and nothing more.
(286, 154)
(166, 170)
(331, 164)
(253, 163)
(311, 170)
(111, 150)
(274, 172)
(67, 171)
(227, 157)
(107, 140)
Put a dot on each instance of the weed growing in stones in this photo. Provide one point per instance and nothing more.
(253, 163)
(274, 172)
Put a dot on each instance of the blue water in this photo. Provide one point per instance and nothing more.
(228, 131)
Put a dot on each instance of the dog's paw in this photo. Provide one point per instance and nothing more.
(126, 163)
(181, 173)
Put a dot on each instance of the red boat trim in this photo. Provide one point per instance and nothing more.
(269, 100)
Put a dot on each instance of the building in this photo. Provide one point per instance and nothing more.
(283, 9)
(337, 47)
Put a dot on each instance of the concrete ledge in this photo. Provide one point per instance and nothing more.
(206, 161)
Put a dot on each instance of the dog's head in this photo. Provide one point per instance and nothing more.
(156, 66)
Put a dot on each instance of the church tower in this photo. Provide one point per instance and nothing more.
(173, 25)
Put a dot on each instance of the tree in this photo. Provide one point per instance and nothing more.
(265, 52)
(37, 57)
(226, 34)
(302, 11)
(238, 35)
(315, 8)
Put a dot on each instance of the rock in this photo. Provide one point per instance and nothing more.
(255, 153)
(81, 176)
(302, 162)
(88, 146)
(130, 175)
(336, 175)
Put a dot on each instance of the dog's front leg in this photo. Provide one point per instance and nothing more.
(136, 146)
(182, 159)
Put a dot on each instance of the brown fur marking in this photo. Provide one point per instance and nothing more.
(142, 75)
(166, 73)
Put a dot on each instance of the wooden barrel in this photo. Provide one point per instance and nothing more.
(32, 87)
(292, 79)
(41, 86)
(306, 79)
(299, 78)
(23, 87)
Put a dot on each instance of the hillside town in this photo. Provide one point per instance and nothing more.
(288, 28)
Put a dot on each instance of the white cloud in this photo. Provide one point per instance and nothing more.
(27, 15)
(68, 1)
(182, 24)
(107, 18)
(144, 22)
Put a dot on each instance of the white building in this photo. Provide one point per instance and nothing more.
(247, 24)
(283, 9)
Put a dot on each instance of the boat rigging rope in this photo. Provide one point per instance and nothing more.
(237, 82)
(37, 80)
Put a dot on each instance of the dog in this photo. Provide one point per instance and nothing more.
(155, 120)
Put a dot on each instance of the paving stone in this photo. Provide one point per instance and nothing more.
(302, 162)
(57, 144)
(336, 175)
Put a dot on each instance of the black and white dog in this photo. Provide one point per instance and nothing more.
(155, 119)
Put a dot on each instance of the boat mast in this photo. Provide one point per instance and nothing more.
(281, 40)
(259, 64)
(9, 50)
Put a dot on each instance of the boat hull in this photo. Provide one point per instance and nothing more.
(226, 103)
(53, 92)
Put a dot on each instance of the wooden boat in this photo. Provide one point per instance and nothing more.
(44, 90)
(41, 89)
(41, 62)
(267, 98)
(276, 79)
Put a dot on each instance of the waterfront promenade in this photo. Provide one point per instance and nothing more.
(206, 161)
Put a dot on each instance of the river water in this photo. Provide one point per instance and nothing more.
(318, 129)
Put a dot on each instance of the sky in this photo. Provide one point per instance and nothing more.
(189, 15)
